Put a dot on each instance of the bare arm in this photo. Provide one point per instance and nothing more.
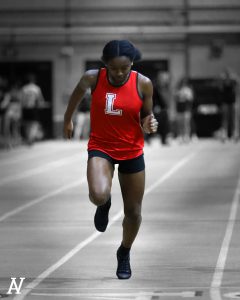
(87, 81)
(149, 123)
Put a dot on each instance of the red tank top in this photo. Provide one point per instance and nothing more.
(115, 118)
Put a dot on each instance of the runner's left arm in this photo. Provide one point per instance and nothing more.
(148, 121)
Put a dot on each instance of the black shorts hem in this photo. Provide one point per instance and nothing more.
(127, 166)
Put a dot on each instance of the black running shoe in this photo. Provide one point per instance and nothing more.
(123, 268)
(101, 216)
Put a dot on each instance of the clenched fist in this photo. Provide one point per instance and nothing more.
(68, 129)
(150, 124)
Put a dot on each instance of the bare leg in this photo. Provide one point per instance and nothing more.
(132, 187)
(99, 175)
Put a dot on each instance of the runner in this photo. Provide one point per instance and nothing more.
(121, 111)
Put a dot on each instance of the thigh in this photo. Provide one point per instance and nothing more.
(99, 174)
(132, 187)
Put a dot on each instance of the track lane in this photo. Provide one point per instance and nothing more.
(203, 232)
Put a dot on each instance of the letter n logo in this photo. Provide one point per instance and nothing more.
(14, 286)
(109, 109)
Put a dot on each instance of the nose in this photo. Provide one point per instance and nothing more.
(119, 73)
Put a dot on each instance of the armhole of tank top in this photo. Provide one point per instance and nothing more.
(94, 88)
(138, 92)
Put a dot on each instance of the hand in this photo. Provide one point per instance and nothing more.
(150, 124)
(68, 129)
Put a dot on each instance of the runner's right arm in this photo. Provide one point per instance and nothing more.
(87, 81)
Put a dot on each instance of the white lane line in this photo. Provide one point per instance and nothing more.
(55, 266)
(220, 266)
(115, 289)
(89, 295)
(142, 295)
(93, 236)
(157, 295)
(35, 171)
(12, 160)
(148, 190)
(42, 198)
(174, 169)
(38, 151)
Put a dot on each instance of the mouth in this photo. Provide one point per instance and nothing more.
(120, 79)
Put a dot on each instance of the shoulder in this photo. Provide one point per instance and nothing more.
(144, 80)
(144, 84)
(25, 87)
(31, 87)
(89, 79)
(91, 75)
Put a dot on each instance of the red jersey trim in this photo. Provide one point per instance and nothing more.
(98, 75)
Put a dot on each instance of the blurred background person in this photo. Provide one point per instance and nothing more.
(3, 88)
(32, 100)
(161, 98)
(82, 118)
(184, 104)
(11, 123)
(228, 88)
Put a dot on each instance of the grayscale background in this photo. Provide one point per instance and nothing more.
(188, 245)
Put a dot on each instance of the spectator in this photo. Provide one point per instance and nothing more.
(82, 119)
(3, 87)
(228, 89)
(32, 100)
(12, 116)
(184, 103)
(161, 97)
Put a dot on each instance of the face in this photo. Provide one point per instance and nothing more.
(118, 69)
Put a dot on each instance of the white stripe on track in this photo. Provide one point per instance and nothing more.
(42, 198)
(220, 266)
(41, 149)
(19, 159)
(44, 168)
(96, 234)
(181, 163)
(105, 296)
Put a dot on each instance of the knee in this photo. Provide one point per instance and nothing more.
(133, 215)
(99, 197)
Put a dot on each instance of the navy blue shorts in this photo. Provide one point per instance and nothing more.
(127, 166)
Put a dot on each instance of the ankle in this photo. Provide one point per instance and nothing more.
(122, 251)
(107, 204)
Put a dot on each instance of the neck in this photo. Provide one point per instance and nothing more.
(118, 84)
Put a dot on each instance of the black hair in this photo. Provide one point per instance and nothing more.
(116, 48)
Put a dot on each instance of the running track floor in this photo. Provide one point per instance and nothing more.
(188, 245)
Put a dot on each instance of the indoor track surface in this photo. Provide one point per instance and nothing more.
(188, 245)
